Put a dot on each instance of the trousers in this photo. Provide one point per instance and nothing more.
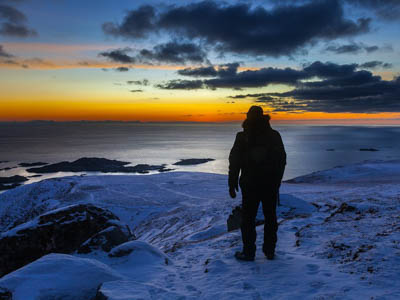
(251, 199)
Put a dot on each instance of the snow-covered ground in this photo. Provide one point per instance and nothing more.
(339, 238)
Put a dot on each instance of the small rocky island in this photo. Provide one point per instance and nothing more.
(94, 164)
(34, 164)
(192, 161)
(7, 183)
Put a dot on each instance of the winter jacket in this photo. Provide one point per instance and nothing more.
(258, 155)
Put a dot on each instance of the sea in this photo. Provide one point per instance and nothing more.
(309, 148)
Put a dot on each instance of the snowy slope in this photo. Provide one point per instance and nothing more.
(339, 235)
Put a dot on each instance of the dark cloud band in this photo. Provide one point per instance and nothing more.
(242, 28)
(12, 22)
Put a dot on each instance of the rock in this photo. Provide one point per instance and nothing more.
(12, 179)
(368, 149)
(63, 231)
(132, 290)
(59, 276)
(35, 164)
(140, 253)
(144, 168)
(93, 164)
(4, 187)
(235, 219)
(192, 161)
(90, 164)
(107, 239)
(7, 183)
(5, 294)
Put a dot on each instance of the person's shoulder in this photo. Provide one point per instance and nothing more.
(275, 132)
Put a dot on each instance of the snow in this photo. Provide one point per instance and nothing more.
(58, 276)
(339, 236)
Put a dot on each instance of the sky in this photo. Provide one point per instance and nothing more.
(325, 61)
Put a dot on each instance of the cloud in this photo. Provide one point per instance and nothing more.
(258, 95)
(385, 9)
(367, 94)
(257, 78)
(178, 84)
(227, 76)
(3, 53)
(199, 72)
(122, 69)
(136, 91)
(352, 48)
(329, 70)
(224, 70)
(174, 52)
(136, 24)
(13, 22)
(119, 55)
(375, 64)
(335, 88)
(144, 82)
(388, 10)
(244, 29)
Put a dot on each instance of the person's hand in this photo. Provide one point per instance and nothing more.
(232, 191)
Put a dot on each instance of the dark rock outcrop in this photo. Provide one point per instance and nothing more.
(100, 295)
(7, 183)
(192, 161)
(7, 168)
(59, 231)
(107, 239)
(4, 187)
(35, 164)
(93, 164)
(5, 294)
(12, 179)
(89, 164)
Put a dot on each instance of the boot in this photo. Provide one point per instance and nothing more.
(243, 256)
(269, 252)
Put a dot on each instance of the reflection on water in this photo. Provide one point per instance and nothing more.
(306, 146)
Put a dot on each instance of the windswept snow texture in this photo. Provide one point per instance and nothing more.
(339, 234)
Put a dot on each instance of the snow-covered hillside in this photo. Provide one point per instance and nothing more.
(339, 238)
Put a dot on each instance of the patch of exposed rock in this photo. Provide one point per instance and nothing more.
(82, 227)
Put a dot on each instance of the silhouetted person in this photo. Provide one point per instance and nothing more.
(259, 156)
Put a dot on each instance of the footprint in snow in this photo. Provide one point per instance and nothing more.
(312, 269)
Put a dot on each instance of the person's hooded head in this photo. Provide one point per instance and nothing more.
(255, 119)
(255, 113)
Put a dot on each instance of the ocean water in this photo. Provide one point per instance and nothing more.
(156, 143)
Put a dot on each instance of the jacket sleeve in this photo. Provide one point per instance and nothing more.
(235, 163)
(280, 156)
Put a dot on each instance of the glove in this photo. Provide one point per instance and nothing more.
(232, 191)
